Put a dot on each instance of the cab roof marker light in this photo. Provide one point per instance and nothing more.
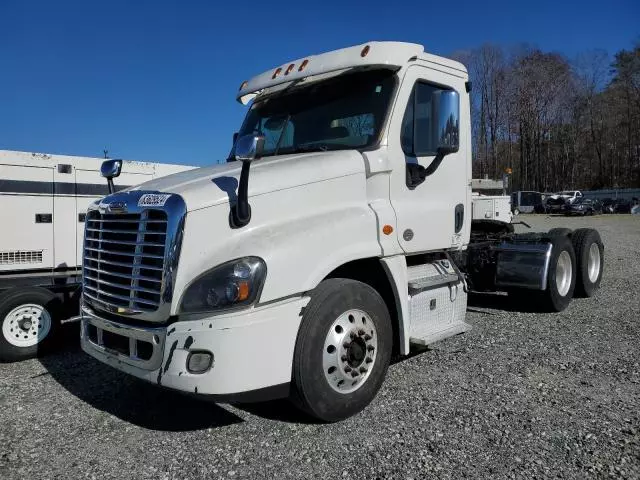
(376, 55)
(289, 68)
(243, 85)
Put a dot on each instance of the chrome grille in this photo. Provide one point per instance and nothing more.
(124, 260)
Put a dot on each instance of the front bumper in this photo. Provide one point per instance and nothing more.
(252, 349)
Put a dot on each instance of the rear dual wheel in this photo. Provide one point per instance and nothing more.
(575, 269)
(590, 259)
(560, 281)
(561, 276)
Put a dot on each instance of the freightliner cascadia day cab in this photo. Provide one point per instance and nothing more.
(338, 234)
(43, 204)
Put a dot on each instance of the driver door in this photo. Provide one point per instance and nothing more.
(431, 215)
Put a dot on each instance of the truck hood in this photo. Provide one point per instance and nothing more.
(208, 186)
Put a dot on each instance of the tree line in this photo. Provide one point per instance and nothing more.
(557, 123)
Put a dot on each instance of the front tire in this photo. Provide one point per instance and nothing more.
(343, 350)
(29, 320)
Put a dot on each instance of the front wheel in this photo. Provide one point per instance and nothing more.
(28, 323)
(343, 350)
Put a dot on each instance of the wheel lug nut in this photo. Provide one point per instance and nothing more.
(347, 369)
(346, 344)
(368, 337)
(370, 348)
(363, 370)
(354, 373)
(352, 335)
(344, 358)
(361, 332)
(369, 360)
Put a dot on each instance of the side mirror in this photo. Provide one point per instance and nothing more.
(436, 130)
(446, 107)
(249, 147)
(109, 170)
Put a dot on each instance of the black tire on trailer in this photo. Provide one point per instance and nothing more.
(560, 231)
(29, 321)
(342, 351)
(590, 259)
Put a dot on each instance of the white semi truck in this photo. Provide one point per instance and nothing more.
(43, 203)
(338, 235)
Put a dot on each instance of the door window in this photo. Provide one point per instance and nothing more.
(419, 125)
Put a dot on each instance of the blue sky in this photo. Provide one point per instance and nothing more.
(156, 80)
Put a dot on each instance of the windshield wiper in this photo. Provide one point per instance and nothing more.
(284, 128)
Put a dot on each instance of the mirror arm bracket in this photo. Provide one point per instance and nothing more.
(240, 213)
(416, 173)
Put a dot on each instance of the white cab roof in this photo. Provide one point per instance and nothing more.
(370, 54)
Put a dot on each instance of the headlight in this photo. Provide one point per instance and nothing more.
(230, 285)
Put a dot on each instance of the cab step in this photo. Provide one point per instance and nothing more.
(428, 336)
(426, 283)
(437, 302)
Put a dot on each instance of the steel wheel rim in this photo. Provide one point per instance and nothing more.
(350, 349)
(564, 271)
(593, 265)
(26, 325)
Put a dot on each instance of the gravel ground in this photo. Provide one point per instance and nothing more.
(520, 396)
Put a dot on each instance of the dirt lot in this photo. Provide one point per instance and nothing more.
(522, 395)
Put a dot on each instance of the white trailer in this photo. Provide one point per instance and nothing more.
(43, 204)
(340, 232)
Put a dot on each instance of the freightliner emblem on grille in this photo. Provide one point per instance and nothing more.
(113, 207)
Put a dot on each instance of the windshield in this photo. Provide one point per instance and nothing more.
(344, 112)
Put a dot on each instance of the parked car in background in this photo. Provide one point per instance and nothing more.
(526, 202)
(569, 196)
(583, 206)
(555, 204)
(608, 205)
(622, 205)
